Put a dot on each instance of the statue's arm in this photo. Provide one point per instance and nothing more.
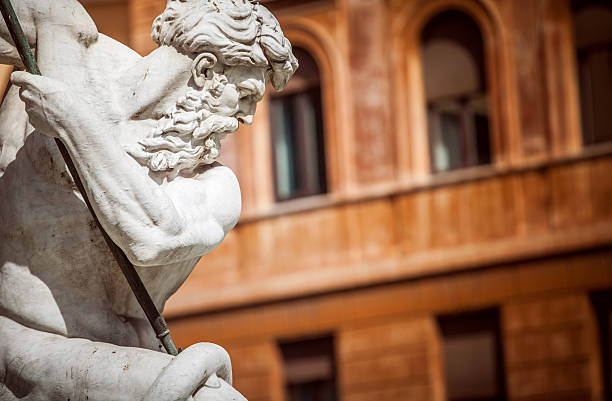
(41, 366)
(154, 224)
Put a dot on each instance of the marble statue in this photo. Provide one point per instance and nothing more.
(144, 134)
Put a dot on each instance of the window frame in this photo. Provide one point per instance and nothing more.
(465, 135)
(317, 93)
(410, 102)
(314, 89)
(579, 54)
(327, 340)
(471, 322)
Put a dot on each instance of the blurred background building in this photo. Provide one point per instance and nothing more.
(427, 207)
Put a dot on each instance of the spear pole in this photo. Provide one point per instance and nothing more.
(144, 299)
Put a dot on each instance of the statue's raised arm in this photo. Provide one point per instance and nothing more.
(61, 34)
(144, 134)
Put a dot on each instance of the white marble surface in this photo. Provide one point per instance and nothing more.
(144, 133)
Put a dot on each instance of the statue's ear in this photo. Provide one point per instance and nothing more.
(200, 66)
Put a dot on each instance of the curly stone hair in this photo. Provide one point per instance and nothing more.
(238, 32)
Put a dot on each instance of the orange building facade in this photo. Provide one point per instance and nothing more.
(427, 211)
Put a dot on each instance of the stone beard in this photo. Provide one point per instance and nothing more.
(190, 134)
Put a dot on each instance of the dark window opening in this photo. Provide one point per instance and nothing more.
(456, 92)
(593, 36)
(297, 134)
(473, 359)
(602, 301)
(309, 368)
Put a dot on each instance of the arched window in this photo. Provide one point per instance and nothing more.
(593, 35)
(297, 133)
(456, 92)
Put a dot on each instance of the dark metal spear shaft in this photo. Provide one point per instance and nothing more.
(144, 299)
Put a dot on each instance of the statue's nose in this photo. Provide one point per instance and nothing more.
(246, 111)
(245, 119)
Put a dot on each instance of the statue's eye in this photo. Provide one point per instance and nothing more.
(246, 89)
(243, 93)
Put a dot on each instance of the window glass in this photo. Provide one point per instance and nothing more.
(309, 369)
(593, 36)
(472, 356)
(602, 301)
(297, 134)
(608, 340)
(456, 92)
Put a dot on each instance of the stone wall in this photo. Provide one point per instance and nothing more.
(552, 349)
(391, 360)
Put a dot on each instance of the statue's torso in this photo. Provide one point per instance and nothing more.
(66, 278)
(48, 237)
(48, 230)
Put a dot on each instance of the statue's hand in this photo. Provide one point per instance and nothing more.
(202, 372)
(50, 104)
(217, 389)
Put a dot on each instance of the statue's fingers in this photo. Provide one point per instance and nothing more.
(19, 78)
(32, 82)
(220, 392)
(189, 371)
(27, 96)
(24, 79)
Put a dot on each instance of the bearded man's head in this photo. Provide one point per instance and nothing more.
(218, 33)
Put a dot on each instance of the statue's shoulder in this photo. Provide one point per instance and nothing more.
(65, 28)
(60, 15)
